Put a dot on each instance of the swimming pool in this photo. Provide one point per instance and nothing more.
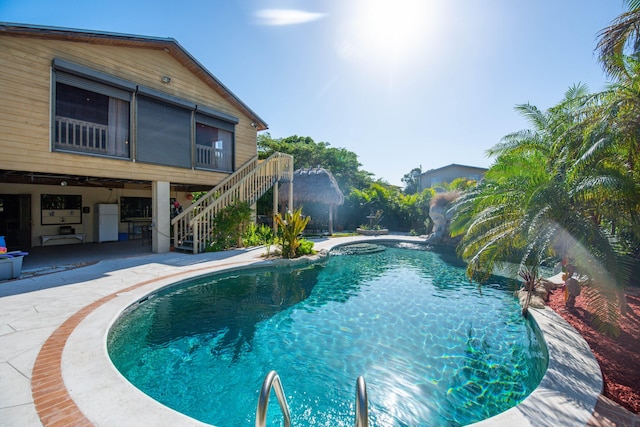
(433, 348)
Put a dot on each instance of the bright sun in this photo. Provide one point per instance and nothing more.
(391, 29)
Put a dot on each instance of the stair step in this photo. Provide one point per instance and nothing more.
(185, 248)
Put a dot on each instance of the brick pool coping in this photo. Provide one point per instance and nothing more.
(74, 382)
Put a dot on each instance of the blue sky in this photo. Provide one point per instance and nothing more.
(402, 83)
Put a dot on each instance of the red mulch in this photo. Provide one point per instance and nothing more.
(619, 358)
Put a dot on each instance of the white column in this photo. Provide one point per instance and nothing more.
(161, 231)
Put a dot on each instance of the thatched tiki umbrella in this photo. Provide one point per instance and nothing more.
(315, 185)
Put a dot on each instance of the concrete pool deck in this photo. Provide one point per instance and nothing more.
(54, 369)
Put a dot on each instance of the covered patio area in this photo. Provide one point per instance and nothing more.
(50, 259)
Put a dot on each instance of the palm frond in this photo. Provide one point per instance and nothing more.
(595, 151)
(533, 114)
(577, 92)
(622, 33)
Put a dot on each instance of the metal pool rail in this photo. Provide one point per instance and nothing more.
(272, 380)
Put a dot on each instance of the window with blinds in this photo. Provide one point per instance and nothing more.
(90, 117)
(94, 112)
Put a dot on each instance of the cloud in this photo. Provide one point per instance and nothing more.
(286, 16)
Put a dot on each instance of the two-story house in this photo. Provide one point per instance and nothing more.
(90, 118)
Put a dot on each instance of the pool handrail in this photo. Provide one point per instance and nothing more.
(272, 380)
(362, 411)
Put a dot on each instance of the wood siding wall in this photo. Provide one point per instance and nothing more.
(25, 111)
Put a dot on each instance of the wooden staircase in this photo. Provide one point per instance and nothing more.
(192, 228)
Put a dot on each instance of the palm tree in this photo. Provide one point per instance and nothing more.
(614, 129)
(621, 35)
(534, 205)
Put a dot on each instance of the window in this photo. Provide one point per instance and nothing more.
(91, 117)
(135, 207)
(60, 209)
(214, 139)
(214, 148)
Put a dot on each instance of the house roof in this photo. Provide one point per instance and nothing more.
(315, 185)
(430, 171)
(168, 44)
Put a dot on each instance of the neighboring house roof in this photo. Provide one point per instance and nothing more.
(168, 44)
(454, 165)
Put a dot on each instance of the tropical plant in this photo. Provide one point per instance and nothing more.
(612, 162)
(305, 248)
(535, 205)
(255, 235)
(290, 229)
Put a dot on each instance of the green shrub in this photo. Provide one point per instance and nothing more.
(256, 235)
(227, 227)
(305, 248)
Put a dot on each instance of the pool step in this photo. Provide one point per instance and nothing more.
(272, 380)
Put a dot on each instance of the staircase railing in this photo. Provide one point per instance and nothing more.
(193, 227)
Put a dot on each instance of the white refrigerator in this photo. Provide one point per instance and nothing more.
(106, 223)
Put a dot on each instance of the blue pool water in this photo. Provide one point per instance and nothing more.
(434, 348)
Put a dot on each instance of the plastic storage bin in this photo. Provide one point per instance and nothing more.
(11, 265)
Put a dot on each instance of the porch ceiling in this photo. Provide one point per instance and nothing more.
(42, 178)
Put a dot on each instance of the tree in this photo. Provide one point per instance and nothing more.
(535, 205)
(414, 209)
(412, 181)
(307, 153)
(613, 127)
